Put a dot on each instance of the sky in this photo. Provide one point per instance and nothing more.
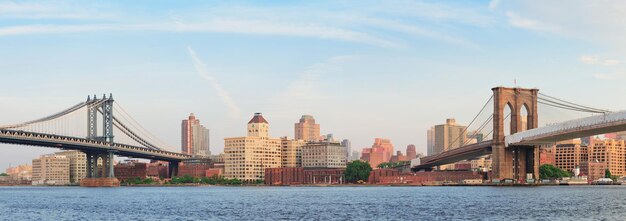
(363, 69)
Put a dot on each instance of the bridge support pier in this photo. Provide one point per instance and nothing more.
(515, 162)
(103, 176)
(172, 169)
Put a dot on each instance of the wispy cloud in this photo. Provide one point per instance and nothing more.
(610, 76)
(595, 60)
(55, 10)
(234, 112)
(526, 23)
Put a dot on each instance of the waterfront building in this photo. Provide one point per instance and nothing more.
(323, 154)
(481, 164)
(51, 170)
(348, 147)
(78, 164)
(569, 154)
(21, 173)
(593, 170)
(291, 152)
(306, 129)
(131, 169)
(610, 151)
(195, 137)
(246, 158)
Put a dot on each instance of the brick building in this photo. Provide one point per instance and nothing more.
(131, 169)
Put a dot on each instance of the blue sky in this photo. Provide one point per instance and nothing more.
(363, 69)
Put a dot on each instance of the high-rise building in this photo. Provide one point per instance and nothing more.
(449, 136)
(78, 164)
(246, 158)
(195, 137)
(430, 141)
(610, 151)
(411, 152)
(356, 155)
(51, 170)
(570, 154)
(307, 129)
(323, 154)
(291, 152)
(348, 147)
(380, 152)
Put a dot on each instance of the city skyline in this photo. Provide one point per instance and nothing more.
(430, 61)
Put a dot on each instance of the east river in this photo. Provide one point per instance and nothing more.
(314, 203)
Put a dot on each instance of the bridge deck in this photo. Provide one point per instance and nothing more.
(72, 143)
(455, 155)
(588, 126)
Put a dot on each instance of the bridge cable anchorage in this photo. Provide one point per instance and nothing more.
(475, 117)
(570, 105)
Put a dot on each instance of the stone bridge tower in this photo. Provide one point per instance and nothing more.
(514, 162)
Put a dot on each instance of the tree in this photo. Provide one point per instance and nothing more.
(607, 173)
(357, 170)
(548, 171)
(4, 174)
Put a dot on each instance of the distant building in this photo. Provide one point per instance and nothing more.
(481, 164)
(411, 152)
(546, 156)
(51, 170)
(195, 137)
(78, 164)
(348, 147)
(246, 158)
(449, 136)
(291, 152)
(21, 173)
(380, 152)
(131, 169)
(323, 154)
(569, 155)
(610, 151)
(356, 155)
(306, 129)
(430, 141)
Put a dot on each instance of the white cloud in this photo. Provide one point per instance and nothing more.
(57, 10)
(234, 112)
(589, 59)
(493, 4)
(526, 23)
(595, 60)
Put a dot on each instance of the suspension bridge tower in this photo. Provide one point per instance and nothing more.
(514, 161)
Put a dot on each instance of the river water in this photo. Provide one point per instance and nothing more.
(314, 203)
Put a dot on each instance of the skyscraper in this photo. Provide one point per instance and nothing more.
(448, 136)
(307, 129)
(348, 146)
(246, 158)
(430, 141)
(411, 152)
(195, 137)
(381, 152)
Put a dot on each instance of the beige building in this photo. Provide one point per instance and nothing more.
(570, 154)
(246, 158)
(449, 136)
(609, 151)
(291, 152)
(78, 164)
(307, 129)
(51, 170)
(481, 164)
(323, 154)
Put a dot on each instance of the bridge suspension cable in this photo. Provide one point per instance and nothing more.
(471, 122)
(562, 104)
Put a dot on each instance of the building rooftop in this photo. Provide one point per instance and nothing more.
(258, 118)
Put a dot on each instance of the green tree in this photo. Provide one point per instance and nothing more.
(4, 174)
(607, 173)
(548, 171)
(357, 170)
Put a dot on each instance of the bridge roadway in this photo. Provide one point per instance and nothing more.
(72, 143)
(455, 155)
